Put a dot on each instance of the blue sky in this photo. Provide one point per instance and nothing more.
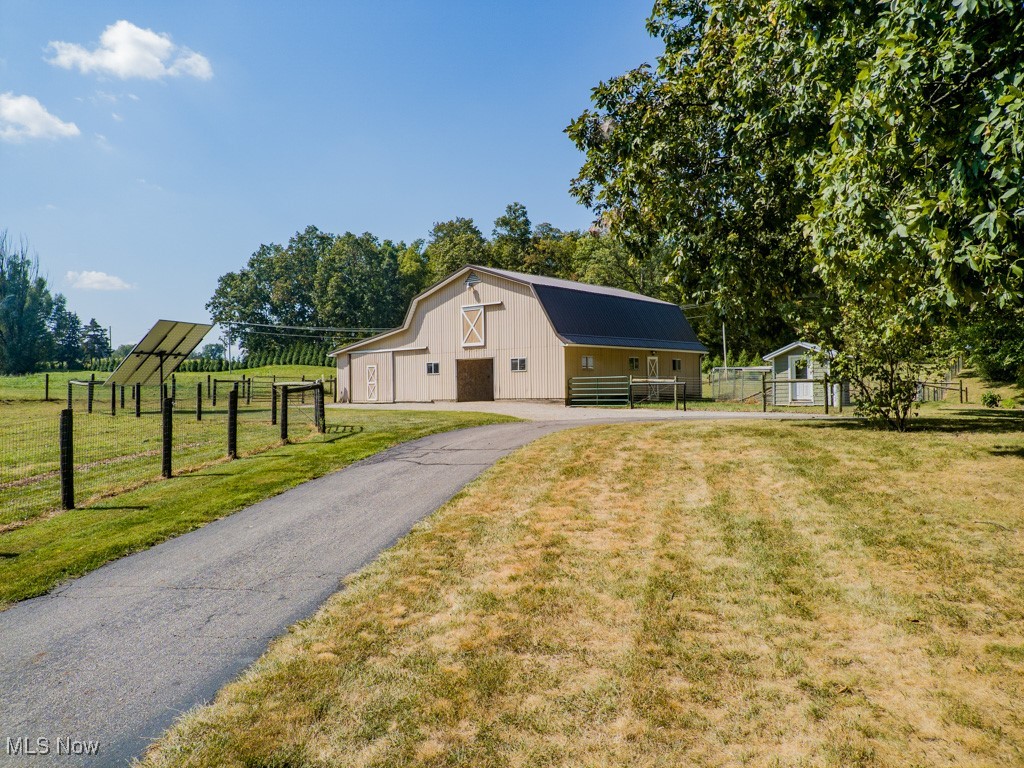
(147, 148)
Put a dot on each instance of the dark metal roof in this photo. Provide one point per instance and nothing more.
(557, 282)
(605, 318)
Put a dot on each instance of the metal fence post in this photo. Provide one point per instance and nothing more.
(629, 386)
(213, 392)
(208, 390)
(91, 385)
(122, 397)
(764, 393)
(824, 382)
(67, 459)
(318, 406)
(69, 394)
(47, 390)
(273, 403)
(684, 397)
(675, 395)
(233, 424)
(284, 412)
(138, 401)
(168, 443)
(174, 387)
(199, 401)
(113, 399)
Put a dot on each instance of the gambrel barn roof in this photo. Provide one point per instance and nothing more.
(591, 315)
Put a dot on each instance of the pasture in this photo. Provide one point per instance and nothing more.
(705, 593)
(124, 505)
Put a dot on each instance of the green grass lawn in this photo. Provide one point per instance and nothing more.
(40, 549)
(111, 453)
(702, 593)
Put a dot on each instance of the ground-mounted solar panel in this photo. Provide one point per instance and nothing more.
(160, 352)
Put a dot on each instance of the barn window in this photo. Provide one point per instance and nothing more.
(634, 363)
(472, 326)
(677, 364)
(588, 362)
(518, 363)
(433, 367)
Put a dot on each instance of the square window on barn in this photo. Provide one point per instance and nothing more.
(677, 364)
(634, 363)
(433, 368)
(518, 363)
(588, 362)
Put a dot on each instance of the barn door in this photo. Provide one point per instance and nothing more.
(371, 383)
(474, 379)
(652, 367)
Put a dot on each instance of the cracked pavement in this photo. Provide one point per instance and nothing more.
(116, 655)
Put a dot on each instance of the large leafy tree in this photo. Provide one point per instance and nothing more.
(512, 239)
(811, 159)
(454, 244)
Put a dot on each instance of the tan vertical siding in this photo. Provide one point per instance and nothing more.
(514, 326)
(385, 377)
(343, 392)
(614, 361)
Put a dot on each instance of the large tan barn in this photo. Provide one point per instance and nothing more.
(489, 334)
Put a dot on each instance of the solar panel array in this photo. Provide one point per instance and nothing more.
(159, 354)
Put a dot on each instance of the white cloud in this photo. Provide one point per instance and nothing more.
(126, 50)
(97, 281)
(23, 117)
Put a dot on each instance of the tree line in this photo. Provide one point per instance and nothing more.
(849, 169)
(363, 284)
(37, 330)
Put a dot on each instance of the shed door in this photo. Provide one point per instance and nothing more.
(474, 379)
(800, 373)
(652, 367)
(371, 383)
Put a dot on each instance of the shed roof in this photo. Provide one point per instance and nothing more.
(592, 314)
(795, 345)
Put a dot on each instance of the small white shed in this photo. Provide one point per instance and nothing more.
(799, 371)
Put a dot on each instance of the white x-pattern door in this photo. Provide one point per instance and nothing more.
(371, 383)
(652, 367)
(472, 326)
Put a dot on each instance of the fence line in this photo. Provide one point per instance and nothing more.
(50, 462)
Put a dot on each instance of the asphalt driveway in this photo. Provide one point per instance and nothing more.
(114, 657)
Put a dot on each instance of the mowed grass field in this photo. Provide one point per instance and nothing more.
(710, 594)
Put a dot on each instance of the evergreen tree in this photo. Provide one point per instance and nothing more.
(95, 342)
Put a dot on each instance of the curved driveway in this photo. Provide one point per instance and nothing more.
(115, 656)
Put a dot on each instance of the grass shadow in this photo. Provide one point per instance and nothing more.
(957, 422)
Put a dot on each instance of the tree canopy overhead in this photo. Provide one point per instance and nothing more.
(814, 158)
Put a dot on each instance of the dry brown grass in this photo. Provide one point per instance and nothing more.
(666, 595)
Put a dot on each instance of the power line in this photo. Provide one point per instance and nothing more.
(331, 329)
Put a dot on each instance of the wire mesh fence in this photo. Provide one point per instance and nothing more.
(29, 470)
(737, 384)
(112, 439)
